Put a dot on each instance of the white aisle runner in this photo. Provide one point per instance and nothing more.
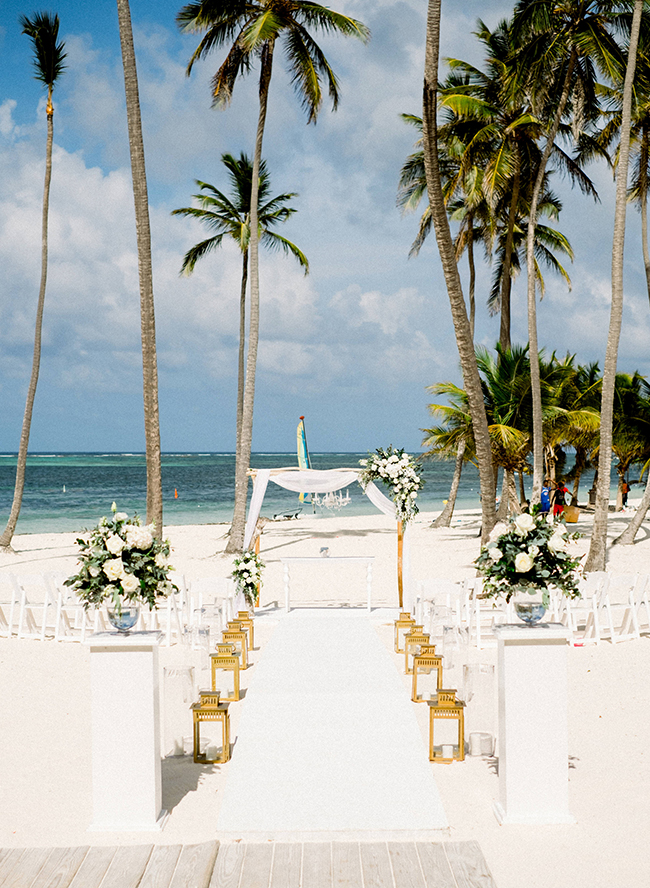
(328, 739)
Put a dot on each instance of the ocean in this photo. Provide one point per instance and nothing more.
(71, 491)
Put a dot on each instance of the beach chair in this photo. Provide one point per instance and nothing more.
(26, 626)
(619, 618)
(582, 616)
(485, 613)
(641, 605)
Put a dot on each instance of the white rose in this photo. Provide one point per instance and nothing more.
(523, 562)
(495, 553)
(121, 516)
(115, 544)
(497, 530)
(524, 523)
(94, 571)
(114, 569)
(557, 543)
(533, 550)
(130, 583)
(160, 560)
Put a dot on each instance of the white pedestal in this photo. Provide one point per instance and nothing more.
(126, 765)
(533, 727)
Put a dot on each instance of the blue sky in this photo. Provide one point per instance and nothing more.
(352, 346)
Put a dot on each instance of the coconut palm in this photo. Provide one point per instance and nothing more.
(43, 31)
(462, 329)
(143, 235)
(597, 548)
(230, 217)
(452, 438)
(254, 29)
(558, 42)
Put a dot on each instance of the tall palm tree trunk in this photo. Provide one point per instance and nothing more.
(597, 549)
(628, 535)
(241, 375)
(533, 347)
(10, 529)
(145, 272)
(643, 163)
(506, 279)
(452, 279)
(236, 540)
(472, 274)
(444, 518)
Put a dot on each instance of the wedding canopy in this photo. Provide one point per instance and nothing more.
(321, 481)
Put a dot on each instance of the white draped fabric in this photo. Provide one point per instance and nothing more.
(327, 481)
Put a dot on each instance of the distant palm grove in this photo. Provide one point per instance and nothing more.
(563, 83)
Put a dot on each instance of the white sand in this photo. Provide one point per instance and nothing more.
(45, 796)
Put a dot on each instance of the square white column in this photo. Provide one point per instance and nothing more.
(533, 745)
(126, 764)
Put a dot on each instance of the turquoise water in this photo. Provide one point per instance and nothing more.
(70, 491)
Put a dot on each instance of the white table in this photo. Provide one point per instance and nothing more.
(364, 559)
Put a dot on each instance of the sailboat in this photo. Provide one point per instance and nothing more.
(304, 461)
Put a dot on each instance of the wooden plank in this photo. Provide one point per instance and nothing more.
(287, 865)
(27, 868)
(317, 865)
(127, 866)
(60, 867)
(375, 865)
(161, 866)
(435, 866)
(227, 869)
(195, 865)
(406, 865)
(468, 865)
(256, 871)
(93, 867)
(9, 861)
(346, 865)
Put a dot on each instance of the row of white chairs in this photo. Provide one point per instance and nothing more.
(610, 607)
(42, 607)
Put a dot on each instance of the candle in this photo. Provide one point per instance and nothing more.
(447, 751)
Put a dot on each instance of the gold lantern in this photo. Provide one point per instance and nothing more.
(237, 635)
(227, 659)
(412, 642)
(447, 708)
(246, 620)
(211, 709)
(403, 624)
(425, 663)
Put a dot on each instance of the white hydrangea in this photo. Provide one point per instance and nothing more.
(138, 537)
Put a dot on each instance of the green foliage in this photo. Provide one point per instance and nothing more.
(120, 560)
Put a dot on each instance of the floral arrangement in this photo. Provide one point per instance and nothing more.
(400, 473)
(122, 561)
(529, 552)
(247, 574)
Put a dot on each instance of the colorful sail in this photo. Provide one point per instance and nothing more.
(303, 455)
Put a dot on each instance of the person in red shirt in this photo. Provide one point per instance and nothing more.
(559, 498)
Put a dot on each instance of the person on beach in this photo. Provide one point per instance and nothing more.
(625, 490)
(546, 497)
(559, 499)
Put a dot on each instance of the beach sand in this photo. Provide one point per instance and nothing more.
(45, 777)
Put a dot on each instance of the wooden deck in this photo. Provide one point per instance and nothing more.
(241, 865)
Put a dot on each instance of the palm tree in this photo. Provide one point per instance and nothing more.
(597, 548)
(558, 40)
(230, 217)
(462, 329)
(43, 30)
(143, 235)
(452, 438)
(253, 30)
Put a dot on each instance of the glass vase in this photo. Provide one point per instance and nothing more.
(123, 618)
(529, 604)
